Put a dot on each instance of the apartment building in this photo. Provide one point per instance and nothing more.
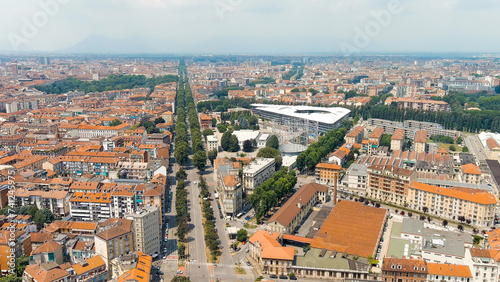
(389, 183)
(403, 269)
(212, 143)
(355, 135)
(230, 194)
(470, 173)
(76, 165)
(424, 105)
(355, 179)
(266, 250)
(483, 264)
(420, 141)
(450, 203)
(397, 139)
(123, 202)
(258, 171)
(134, 170)
(55, 201)
(327, 173)
(147, 227)
(115, 238)
(90, 206)
(90, 131)
(411, 126)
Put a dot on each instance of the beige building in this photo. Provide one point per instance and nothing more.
(230, 193)
(116, 238)
(147, 227)
(286, 219)
(450, 203)
(492, 150)
(471, 173)
(212, 143)
(355, 135)
(268, 253)
(389, 183)
(420, 141)
(258, 171)
(397, 139)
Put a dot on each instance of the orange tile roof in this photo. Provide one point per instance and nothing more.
(421, 136)
(449, 270)
(141, 272)
(351, 227)
(41, 275)
(47, 247)
(230, 180)
(91, 264)
(399, 134)
(270, 247)
(465, 194)
(377, 133)
(471, 169)
(330, 166)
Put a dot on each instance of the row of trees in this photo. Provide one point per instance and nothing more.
(211, 236)
(315, 152)
(222, 105)
(181, 154)
(181, 138)
(112, 82)
(199, 154)
(267, 196)
(470, 121)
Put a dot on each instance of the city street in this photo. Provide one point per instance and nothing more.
(475, 147)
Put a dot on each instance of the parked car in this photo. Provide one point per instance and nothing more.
(248, 263)
(179, 272)
(273, 276)
(283, 277)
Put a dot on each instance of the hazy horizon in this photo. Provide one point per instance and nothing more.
(250, 27)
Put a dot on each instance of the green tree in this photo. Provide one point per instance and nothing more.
(225, 140)
(212, 155)
(247, 146)
(269, 152)
(159, 120)
(200, 160)
(180, 174)
(21, 263)
(115, 122)
(386, 140)
(465, 149)
(207, 132)
(43, 216)
(233, 144)
(452, 148)
(180, 279)
(273, 142)
(242, 235)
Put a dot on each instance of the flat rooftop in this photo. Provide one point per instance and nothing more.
(318, 114)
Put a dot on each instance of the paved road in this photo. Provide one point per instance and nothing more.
(197, 247)
(475, 147)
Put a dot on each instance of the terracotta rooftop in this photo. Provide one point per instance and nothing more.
(353, 228)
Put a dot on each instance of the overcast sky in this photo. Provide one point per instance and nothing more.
(272, 25)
